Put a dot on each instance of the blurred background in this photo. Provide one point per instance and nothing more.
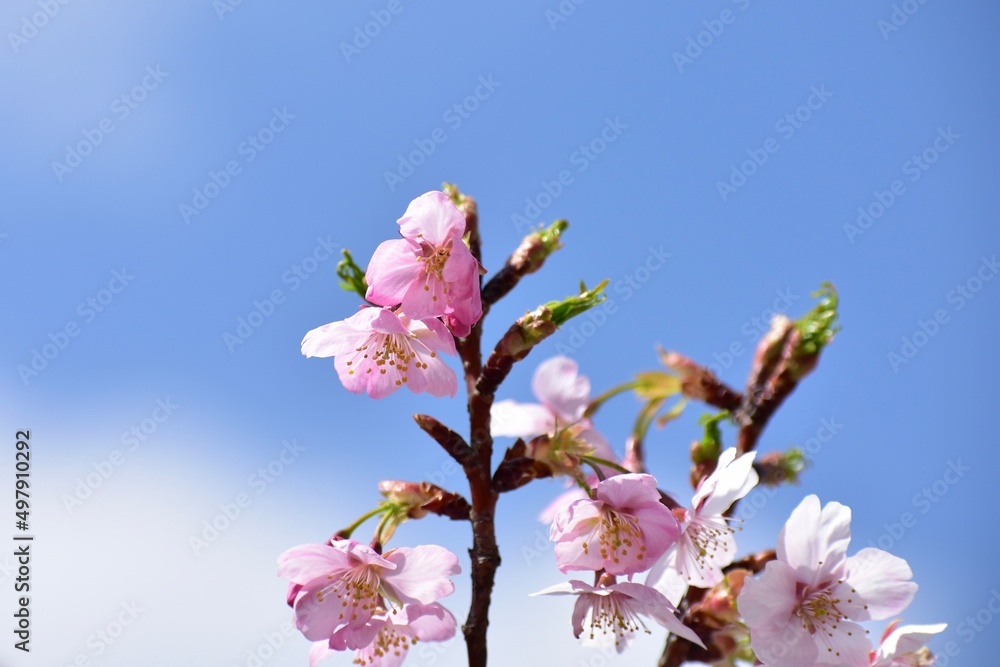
(179, 179)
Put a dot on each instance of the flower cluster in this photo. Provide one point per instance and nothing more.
(619, 525)
(424, 291)
(347, 596)
(805, 608)
(648, 558)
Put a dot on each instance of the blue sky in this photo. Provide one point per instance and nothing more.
(172, 169)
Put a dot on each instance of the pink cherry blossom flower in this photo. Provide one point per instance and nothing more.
(706, 544)
(378, 351)
(905, 646)
(430, 271)
(804, 608)
(387, 637)
(563, 394)
(622, 531)
(612, 613)
(343, 584)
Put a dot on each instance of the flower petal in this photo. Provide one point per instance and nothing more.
(732, 479)
(520, 420)
(392, 270)
(877, 585)
(656, 605)
(559, 386)
(770, 598)
(814, 541)
(432, 217)
(422, 573)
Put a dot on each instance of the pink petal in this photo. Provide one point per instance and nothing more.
(559, 386)
(580, 609)
(770, 598)
(438, 379)
(784, 646)
(431, 623)
(732, 480)
(331, 339)
(319, 652)
(877, 585)
(421, 574)
(433, 218)
(433, 334)
(906, 639)
(392, 270)
(814, 541)
(656, 605)
(572, 587)
(388, 322)
(425, 297)
(849, 646)
(520, 420)
(302, 564)
(665, 576)
(602, 448)
(660, 531)
(630, 491)
(564, 499)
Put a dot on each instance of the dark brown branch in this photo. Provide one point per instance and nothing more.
(450, 441)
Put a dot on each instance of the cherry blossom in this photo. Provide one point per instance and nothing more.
(386, 638)
(343, 584)
(804, 608)
(706, 544)
(377, 351)
(904, 646)
(611, 614)
(563, 396)
(430, 272)
(623, 530)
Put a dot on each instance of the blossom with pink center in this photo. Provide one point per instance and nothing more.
(612, 613)
(804, 608)
(905, 646)
(622, 531)
(387, 637)
(563, 396)
(430, 271)
(706, 544)
(377, 351)
(344, 584)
